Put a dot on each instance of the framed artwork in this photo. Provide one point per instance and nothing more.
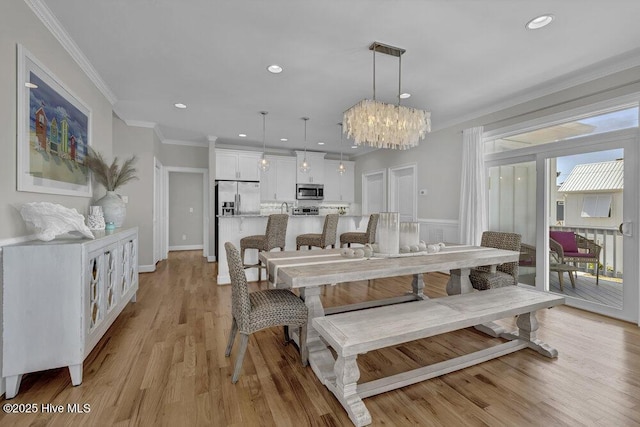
(54, 133)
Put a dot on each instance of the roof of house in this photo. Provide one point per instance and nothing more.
(595, 177)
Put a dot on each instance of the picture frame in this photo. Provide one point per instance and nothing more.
(54, 132)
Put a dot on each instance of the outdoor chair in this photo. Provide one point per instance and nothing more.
(570, 247)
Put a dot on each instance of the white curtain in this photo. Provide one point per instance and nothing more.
(473, 203)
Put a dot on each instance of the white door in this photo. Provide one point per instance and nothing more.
(374, 192)
(158, 225)
(403, 192)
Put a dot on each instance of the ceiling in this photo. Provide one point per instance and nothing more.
(464, 58)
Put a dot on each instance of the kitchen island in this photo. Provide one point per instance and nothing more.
(232, 228)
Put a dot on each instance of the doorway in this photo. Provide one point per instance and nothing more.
(403, 192)
(374, 192)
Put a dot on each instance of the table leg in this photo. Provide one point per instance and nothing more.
(560, 280)
(345, 390)
(459, 282)
(418, 286)
(572, 278)
(320, 358)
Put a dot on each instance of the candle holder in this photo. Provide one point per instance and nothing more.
(389, 232)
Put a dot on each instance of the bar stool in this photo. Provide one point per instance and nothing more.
(368, 236)
(274, 237)
(328, 236)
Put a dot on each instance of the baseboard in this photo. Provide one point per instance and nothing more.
(186, 248)
(146, 268)
(211, 258)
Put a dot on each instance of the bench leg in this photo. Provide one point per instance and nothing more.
(347, 375)
(527, 331)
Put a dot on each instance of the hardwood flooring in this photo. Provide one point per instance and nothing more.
(162, 364)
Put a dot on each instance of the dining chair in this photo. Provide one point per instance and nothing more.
(254, 311)
(506, 274)
(368, 236)
(326, 238)
(570, 247)
(274, 237)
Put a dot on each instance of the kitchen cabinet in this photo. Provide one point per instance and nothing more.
(279, 182)
(237, 165)
(338, 188)
(316, 171)
(59, 299)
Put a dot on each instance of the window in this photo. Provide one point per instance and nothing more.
(560, 210)
(595, 123)
(596, 206)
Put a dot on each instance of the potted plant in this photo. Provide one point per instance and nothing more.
(111, 177)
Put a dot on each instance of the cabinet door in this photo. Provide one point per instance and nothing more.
(316, 171)
(331, 181)
(95, 285)
(268, 182)
(226, 165)
(248, 166)
(286, 179)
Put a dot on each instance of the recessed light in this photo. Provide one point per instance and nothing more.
(242, 135)
(180, 105)
(354, 146)
(539, 22)
(405, 95)
(275, 69)
(31, 85)
(283, 139)
(320, 143)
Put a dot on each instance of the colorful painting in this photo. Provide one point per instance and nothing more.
(54, 133)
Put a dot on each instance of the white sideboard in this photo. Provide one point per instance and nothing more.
(60, 297)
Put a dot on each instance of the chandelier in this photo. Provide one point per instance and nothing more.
(263, 163)
(381, 125)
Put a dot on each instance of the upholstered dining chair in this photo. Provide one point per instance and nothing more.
(274, 237)
(368, 236)
(326, 238)
(570, 247)
(506, 274)
(259, 310)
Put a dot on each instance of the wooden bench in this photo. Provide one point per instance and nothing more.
(358, 332)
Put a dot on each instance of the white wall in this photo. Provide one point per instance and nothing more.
(185, 210)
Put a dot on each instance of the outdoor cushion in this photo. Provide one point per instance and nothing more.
(578, 254)
(566, 239)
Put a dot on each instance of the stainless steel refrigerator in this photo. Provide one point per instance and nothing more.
(236, 198)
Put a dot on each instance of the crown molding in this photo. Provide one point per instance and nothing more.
(49, 20)
(140, 124)
(586, 75)
(201, 144)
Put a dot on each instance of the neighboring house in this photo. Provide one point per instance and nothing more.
(593, 195)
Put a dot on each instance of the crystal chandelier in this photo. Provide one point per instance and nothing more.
(382, 125)
(304, 166)
(263, 163)
(341, 167)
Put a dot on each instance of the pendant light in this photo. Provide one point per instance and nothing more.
(263, 163)
(304, 166)
(341, 167)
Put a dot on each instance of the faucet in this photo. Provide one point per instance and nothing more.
(284, 206)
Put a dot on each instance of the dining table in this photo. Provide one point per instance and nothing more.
(308, 271)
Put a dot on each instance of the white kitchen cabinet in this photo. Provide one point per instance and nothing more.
(338, 188)
(279, 182)
(316, 171)
(59, 299)
(237, 165)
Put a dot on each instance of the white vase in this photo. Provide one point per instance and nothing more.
(113, 208)
(389, 232)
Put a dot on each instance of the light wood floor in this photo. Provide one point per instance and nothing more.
(162, 363)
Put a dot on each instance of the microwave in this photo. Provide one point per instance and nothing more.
(309, 192)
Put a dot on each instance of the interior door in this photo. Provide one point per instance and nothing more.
(403, 192)
(374, 192)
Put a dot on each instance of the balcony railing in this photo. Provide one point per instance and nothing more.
(611, 254)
